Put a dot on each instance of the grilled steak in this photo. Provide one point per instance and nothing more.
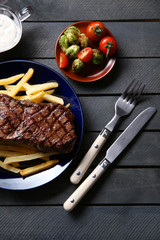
(47, 127)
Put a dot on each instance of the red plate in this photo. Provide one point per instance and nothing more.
(90, 72)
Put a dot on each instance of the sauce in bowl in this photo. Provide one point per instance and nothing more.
(8, 32)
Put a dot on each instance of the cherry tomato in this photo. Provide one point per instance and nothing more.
(95, 31)
(86, 54)
(108, 45)
(63, 61)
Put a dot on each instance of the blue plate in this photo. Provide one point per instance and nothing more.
(43, 74)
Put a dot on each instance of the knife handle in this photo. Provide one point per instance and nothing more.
(79, 193)
(90, 156)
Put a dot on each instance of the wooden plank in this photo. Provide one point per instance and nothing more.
(125, 70)
(116, 186)
(116, 222)
(133, 38)
(99, 110)
(121, 75)
(72, 10)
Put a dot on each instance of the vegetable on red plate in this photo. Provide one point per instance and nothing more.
(108, 45)
(63, 61)
(95, 31)
(86, 54)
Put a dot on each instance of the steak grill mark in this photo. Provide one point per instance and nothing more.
(44, 126)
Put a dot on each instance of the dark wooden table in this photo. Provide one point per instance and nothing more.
(125, 202)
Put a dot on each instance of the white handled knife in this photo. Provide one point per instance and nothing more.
(112, 153)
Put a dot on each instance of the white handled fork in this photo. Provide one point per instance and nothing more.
(124, 105)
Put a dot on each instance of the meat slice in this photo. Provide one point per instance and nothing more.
(43, 126)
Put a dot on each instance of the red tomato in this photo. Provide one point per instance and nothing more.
(95, 31)
(86, 54)
(108, 45)
(63, 61)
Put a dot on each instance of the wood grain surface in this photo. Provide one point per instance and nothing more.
(97, 222)
(120, 186)
(145, 70)
(60, 10)
(124, 204)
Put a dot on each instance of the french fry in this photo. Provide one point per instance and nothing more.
(41, 87)
(38, 96)
(28, 97)
(9, 168)
(51, 98)
(23, 158)
(23, 97)
(25, 151)
(49, 91)
(10, 87)
(43, 166)
(4, 92)
(6, 153)
(26, 86)
(25, 78)
(11, 80)
(67, 105)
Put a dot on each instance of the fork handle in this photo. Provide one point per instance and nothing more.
(86, 185)
(90, 156)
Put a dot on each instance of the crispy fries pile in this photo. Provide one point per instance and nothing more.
(13, 156)
(36, 93)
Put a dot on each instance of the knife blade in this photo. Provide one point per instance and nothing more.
(111, 154)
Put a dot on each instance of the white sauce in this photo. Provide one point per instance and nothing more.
(8, 32)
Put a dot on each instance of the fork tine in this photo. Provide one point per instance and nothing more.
(134, 90)
(140, 91)
(131, 95)
(137, 93)
(126, 90)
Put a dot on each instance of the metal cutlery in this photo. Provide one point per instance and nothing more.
(124, 105)
(112, 153)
